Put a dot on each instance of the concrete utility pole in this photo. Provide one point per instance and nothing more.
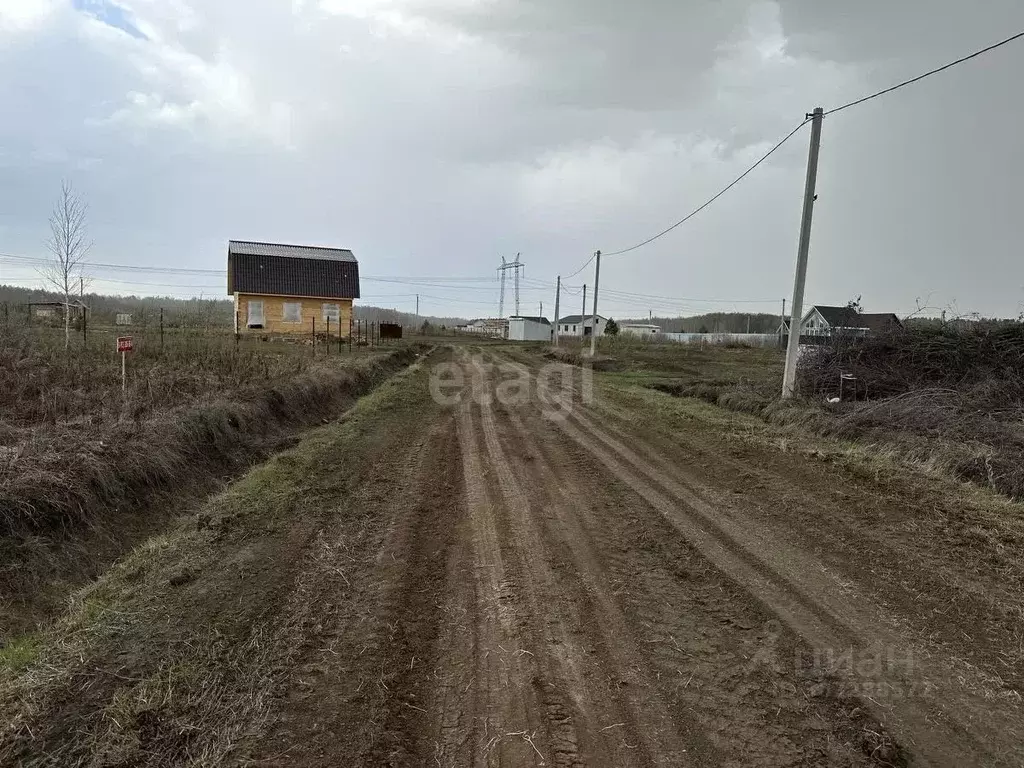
(558, 295)
(793, 348)
(518, 265)
(417, 306)
(593, 331)
(583, 314)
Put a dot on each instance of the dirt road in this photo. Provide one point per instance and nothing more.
(513, 577)
(584, 598)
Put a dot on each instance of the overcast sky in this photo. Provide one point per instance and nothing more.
(433, 136)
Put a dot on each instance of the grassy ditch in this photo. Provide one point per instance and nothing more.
(71, 501)
(175, 655)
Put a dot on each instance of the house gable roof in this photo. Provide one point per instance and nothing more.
(845, 317)
(292, 270)
(570, 319)
(837, 317)
(249, 248)
(541, 320)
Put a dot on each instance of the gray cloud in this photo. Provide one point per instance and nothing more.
(433, 136)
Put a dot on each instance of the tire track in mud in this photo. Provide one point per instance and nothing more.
(813, 602)
(556, 502)
(497, 699)
(873, 540)
(528, 690)
(366, 614)
(538, 667)
(710, 662)
(929, 708)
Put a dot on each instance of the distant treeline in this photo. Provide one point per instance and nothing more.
(196, 312)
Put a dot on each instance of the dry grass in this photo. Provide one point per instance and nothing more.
(60, 476)
(175, 655)
(73, 497)
(42, 383)
(948, 397)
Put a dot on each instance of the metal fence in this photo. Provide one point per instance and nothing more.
(765, 340)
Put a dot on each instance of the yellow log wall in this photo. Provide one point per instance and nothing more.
(273, 315)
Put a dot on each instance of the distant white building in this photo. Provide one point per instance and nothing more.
(530, 329)
(578, 325)
(491, 326)
(473, 326)
(640, 329)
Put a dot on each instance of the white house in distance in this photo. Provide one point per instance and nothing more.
(473, 326)
(578, 325)
(529, 329)
(639, 329)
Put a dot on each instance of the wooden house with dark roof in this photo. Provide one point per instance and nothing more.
(821, 320)
(292, 289)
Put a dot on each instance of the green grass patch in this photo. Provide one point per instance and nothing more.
(19, 653)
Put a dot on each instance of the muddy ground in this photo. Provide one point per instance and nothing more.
(493, 572)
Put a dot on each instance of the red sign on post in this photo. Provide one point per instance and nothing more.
(124, 343)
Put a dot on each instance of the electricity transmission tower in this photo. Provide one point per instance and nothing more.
(505, 267)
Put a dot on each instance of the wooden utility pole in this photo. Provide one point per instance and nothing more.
(793, 348)
(597, 280)
(558, 296)
(81, 309)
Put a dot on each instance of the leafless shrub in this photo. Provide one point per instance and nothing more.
(69, 245)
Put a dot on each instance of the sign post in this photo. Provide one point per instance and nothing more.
(124, 346)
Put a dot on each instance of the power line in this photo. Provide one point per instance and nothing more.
(646, 296)
(927, 74)
(128, 267)
(585, 265)
(693, 213)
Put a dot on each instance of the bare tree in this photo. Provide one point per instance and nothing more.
(69, 246)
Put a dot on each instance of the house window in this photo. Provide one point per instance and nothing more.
(574, 329)
(292, 312)
(331, 313)
(255, 314)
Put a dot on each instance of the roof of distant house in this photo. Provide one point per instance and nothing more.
(541, 320)
(570, 319)
(249, 248)
(847, 317)
(275, 269)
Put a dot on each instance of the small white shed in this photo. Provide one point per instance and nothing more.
(529, 329)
